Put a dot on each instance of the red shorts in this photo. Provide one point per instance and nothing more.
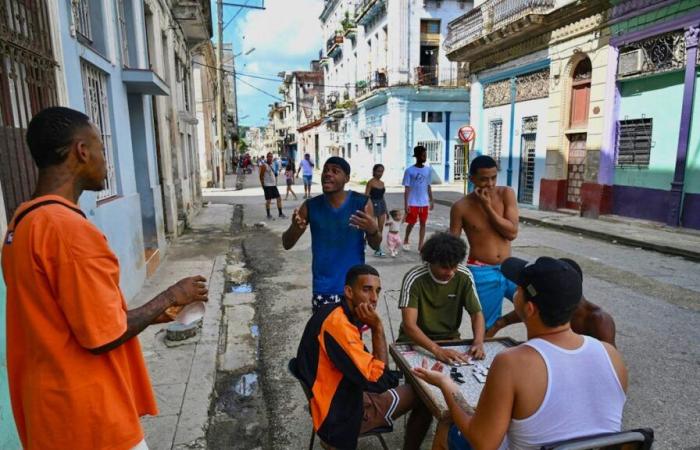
(416, 213)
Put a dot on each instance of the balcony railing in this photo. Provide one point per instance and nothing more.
(333, 44)
(375, 80)
(366, 10)
(439, 76)
(490, 16)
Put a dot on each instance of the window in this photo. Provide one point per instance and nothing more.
(495, 140)
(81, 17)
(430, 26)
(123, 32)
(634, 142)
(431, 116)
(434, 151)
(97, 108)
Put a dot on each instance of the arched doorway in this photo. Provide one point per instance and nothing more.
(578, 121)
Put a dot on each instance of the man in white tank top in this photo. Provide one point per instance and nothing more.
(556, 386)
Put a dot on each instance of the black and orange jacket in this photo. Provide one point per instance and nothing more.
(337, 368)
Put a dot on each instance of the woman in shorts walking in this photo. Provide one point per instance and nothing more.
(375, 190)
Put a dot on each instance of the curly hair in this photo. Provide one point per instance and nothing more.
(444, 249)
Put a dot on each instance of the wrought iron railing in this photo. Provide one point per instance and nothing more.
(491, 15)
(440, 76)
(81, 16)
(362, 6)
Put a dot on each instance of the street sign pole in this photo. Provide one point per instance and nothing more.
(467, 135)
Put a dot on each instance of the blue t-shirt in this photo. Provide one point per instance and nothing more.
(335, 245)
(418, 179)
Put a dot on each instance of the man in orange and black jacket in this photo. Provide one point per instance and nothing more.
(352, 390)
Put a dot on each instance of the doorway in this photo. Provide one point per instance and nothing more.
(576, 165)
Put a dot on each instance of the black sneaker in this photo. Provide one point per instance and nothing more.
(282, 216)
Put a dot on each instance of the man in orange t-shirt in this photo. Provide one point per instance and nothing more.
(77, 377)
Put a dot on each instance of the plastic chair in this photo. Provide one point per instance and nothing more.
(638, 439)
(377, 432)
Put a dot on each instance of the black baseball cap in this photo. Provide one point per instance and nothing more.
(549, 282)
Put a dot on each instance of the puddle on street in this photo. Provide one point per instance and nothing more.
(246, 385)
(244, 288)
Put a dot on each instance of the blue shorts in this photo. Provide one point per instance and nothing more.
(455, 440)
(492, 288)
(307, 180)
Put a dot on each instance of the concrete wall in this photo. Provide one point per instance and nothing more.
(8, 432)
(641, 99)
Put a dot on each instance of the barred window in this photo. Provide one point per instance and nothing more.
(434, 151)
(81, 16)
(634, 142)
(495, 140)
(97, 108)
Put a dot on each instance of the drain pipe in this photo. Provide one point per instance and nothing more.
(511, 132)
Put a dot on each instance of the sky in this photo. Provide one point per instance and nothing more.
(285, 36)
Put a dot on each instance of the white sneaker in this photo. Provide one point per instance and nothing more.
(406, 248)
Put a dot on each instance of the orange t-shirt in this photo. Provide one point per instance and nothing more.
(63, 298)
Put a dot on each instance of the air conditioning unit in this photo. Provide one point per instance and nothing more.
(631, 62)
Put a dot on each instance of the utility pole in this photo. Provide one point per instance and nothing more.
(220, 91)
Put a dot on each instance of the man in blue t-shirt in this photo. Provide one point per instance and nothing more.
(340, 222)
(418, 196)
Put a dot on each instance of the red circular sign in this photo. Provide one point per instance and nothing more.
(466, 133)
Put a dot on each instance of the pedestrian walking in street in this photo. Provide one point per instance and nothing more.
(418, 196)
(557, 386)
(354, 390)
(341, 222)
(289, 178)
(489, 218)
(393, 237)
(76, 373)
(588, 319)
(268, 181)
(276, 165)
(306, 167)
(375, 190)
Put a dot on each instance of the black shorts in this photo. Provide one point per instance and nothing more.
(271, 192)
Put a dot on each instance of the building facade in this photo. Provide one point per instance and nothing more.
(205, 94)
(389, 86)
(652, 167)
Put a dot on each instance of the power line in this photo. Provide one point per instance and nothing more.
(236, 15)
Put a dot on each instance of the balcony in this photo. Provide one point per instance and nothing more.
(440, 77)
(333, 45)
(376, 80)
(494, 19)
(194, 17)
(367, 10)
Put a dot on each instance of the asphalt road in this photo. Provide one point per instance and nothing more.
(654, 298)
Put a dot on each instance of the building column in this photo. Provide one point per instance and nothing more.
(596, 198)
(676, 194)
(511, 132)
(447, 146)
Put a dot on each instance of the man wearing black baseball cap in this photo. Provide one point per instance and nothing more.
(341, 221)
(558, 385)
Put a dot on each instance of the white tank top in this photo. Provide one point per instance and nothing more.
(583, 397)
(269, 176)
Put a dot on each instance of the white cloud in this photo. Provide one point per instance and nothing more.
(286, 36)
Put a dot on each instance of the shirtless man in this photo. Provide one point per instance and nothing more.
(588, 319)
(489, 217)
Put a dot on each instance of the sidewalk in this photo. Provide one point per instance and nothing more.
(620, 230)
(183, 376)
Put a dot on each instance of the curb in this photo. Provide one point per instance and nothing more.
(631, 242)
(619, 239)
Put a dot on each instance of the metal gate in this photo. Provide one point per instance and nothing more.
(459, 162)
(526, 180)
(27, 85)
(576, 166)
